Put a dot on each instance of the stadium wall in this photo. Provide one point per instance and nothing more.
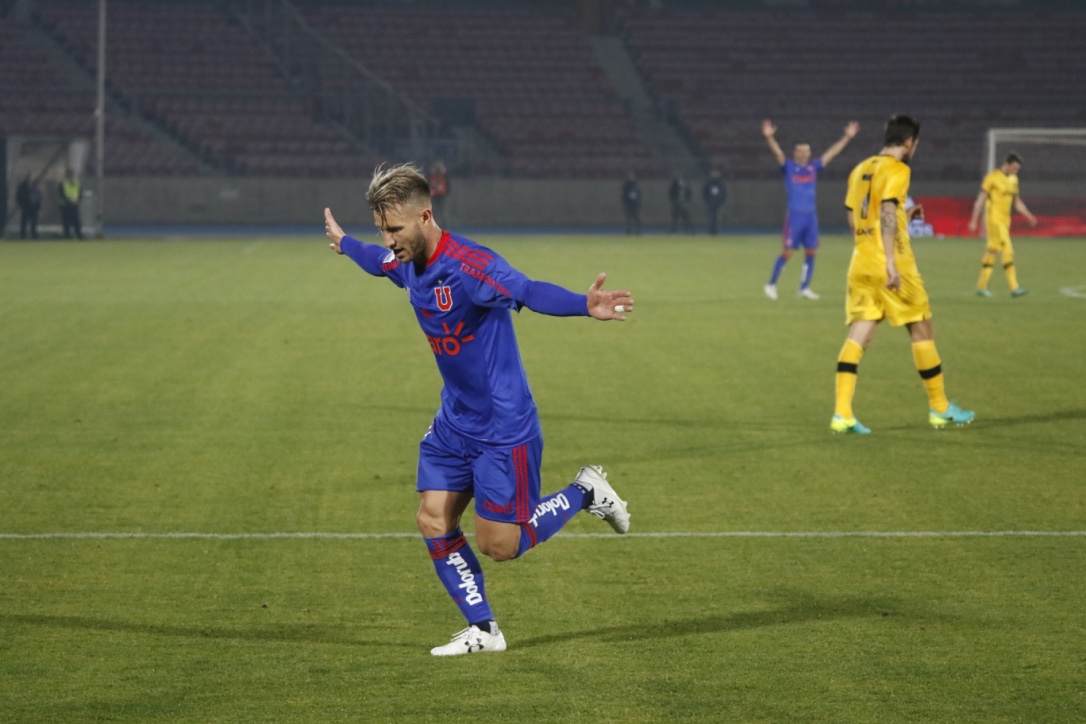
(475, 202)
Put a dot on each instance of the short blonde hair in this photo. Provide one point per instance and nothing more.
(395, 186)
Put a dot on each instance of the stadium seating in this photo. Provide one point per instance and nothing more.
(525, 76)
(188, 68)
(538, 92)
(38, 100)
(811, 72)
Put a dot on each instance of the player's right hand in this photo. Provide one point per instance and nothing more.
(333, 231)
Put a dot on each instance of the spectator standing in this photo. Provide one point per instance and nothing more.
(631, 204)
(28, 196)
(439, 188)
(679, 194)
(714, 195)
(70, 192)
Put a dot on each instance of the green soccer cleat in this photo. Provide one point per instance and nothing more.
(848, 425)
(1019, 292)
(983, 293)
(954, 415)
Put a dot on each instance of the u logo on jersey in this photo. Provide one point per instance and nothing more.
(444, 298)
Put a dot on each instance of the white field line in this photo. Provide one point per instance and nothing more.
(1075, 292)
(661, 534)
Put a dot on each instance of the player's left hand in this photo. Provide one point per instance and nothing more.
(1032, 220)
(604, 304)
(333, 231)
(852, 129)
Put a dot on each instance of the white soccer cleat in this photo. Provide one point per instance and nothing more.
(770, 291)
(606, 504)
(473, 640)
(807, 293)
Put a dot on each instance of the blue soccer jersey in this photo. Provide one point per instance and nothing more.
(799, 183)
(462, 299)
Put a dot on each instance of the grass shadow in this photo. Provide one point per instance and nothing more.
(280, 633)
(796, 612)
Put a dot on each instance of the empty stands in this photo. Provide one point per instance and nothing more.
(38, 100)
(959, 72)
(538, 92)
(188, 68)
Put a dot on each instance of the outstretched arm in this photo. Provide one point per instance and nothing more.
(850, 132)
(1020, 207)
(770, 131)
(978, 207)
(547, 298)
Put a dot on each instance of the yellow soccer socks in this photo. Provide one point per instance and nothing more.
(1012, 275)
(930, 367)
(848, 363)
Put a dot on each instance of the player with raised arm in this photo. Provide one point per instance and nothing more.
(801, 221)
(485, 441)
(883, 279)
(998, 195)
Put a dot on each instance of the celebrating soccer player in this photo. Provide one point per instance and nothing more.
(801, 220)
(883, 279)
(998, 195)
(485, 441)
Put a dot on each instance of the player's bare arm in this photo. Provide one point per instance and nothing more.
(888, 225)
(978, 207)
(770, 131)
(333, 231)
(605, 305)
(850, 132)
(1020, 207)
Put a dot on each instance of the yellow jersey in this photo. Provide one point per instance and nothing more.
(872, 181)
(1002, 188)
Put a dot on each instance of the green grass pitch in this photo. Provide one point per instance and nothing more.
(265, 386)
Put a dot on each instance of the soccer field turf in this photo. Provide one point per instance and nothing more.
(172, 411)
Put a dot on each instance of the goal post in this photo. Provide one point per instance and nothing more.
(1053, 175)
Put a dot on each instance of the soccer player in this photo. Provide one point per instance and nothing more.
(485, 441)
(883, 279)
(998, 195)
(801, 221)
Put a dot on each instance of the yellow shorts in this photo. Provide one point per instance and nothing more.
(999, 238)
(868, 299)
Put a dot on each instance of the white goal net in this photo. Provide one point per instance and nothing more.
(1053, 176)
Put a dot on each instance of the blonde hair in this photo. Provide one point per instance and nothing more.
(395, 186)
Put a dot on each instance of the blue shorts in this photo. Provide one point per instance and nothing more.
(801, 230)
(504, 480)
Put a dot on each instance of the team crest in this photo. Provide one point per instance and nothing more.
(444, 298)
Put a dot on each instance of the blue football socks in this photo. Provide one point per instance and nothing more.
(552, 513)
(460, 573)
(778, 267)
(808, 272)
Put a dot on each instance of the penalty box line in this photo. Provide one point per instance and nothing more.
(316, 535)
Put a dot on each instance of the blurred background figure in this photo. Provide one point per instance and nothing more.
(70, 191)
(28, 197)
(631, 204)
(679, 194)
(714, 194)
(439, 188)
